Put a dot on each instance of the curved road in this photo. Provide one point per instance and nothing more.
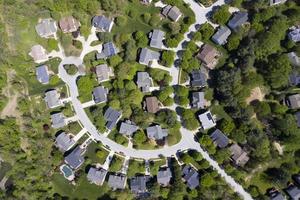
(187, 141)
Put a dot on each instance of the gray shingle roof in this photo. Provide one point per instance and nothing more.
(172, 12)
(294, 59)
(38, 53)
(144, 81)
(156, 132)
(198, 100)
(64, 142)
(148, 55)
(207, 120)
(138, 184)
(102, 23)
(52, 99)
(297, 114)
(199, 79)
(275, 2)
(294, 192)
(42, 74)
(219, 138)
(293, 101)
(117, 182)
(157, 37)
(277, 196)
(100, 94)
(128, 128)
(239, 156)
(220, 37)
(294, 78)
(75, 159)
(191, 176)
(96, 176)
(103, 72)
(109, 49)
(295, 34)
(58, 120)
(46, 28)
(164, 176)
(238, 20)
(111, 116)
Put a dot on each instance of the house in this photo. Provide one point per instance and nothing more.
(138, 184)
(238, 19)
(152, 104)
(38, 53)
(46, 28)
(172, 12)
(198, 100)
(294, 59)
(146, 2)
(58, 120)
(156, 39)
(297, 114)
(191, 176)
(276, 196)
(164, 176)
(296, 178)
(294, 78)
(293, 101)
(147, 56)
(75, 159)
(276, 2)
(64, 142)
(96, 176)
(109, 49)
(238, 155)
(52, 99)
(128, 128)
(100, 94)
(220, 37)
(42, 74)
(198, 79)
(156, 132)
(294, 34)
(144, 81)
(69, 24)
(102, 23)
(103, 72)
(209, 56)
(117, 181)
(293, 192)
(111, 117)
(219, 138)
(207, 120)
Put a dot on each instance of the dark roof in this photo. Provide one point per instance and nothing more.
(297, 178)
(297, 114)
(139, 184)
(294, 34)
(75, 159)
(294, 78)
(164, 176)
(199, 79)
(294, 101)
(220, 37)
(117, 181)
(42, 74)
(100, 94)
(64, 142)
(191, 176)
(219, 138)
(238, 19)
(109, 49)
(96, 176)
(293, 191)
(111, 116)
(102, 23)
(276, 196)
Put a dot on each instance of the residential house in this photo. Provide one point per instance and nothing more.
(102, 23)
(191, 176)
(293, 101)
(147, 56)
(109, 49)
(219, 138)
(75, 159)
(38, 53)
(46, 28)
(42, 74)
(64, 142)
(58, 120)
(238, 155)
(111, 117)
(138, 184)
(294, 78)
(156, 132)
(164, 176)
(276, 2)
(276, 196)
(146, 2)
(293, 192)
(294, 59)
(96, 176)
(199, 79)
(156, 38)
(207, 120)
(128, 128)
(117, 181)
(297, 114)
(152, 104)
(100, 94)
(296, 178)
(198, 100)
(209, 56)
(220, 37)
(294, 34)
(103, 72)
(52, 99)
(172, 12)
(69, 24)
(144, 81)
(238, 19)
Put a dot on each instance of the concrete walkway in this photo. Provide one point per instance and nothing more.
(80, 134)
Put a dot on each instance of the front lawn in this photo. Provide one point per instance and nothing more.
(96, 153)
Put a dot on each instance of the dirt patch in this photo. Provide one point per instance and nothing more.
(278, 147)
(256, 94)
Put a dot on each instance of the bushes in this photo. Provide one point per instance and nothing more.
(221, 15)
(121, 21)
(168, 58)
(206, 31)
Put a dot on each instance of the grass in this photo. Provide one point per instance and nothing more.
(73, 128)
(174, 136)
(135, 167)
(220, 112)
(116, 164)
(148, 145)
(92, 153)
(155, 165)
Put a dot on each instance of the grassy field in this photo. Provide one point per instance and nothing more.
(92, 153)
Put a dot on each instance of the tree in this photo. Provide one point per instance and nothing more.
(207, 180)
(174, 27)
(155, 19)
(121, 21)
(262, 109)
(189, 120)
(227, 126)
(146, 17)
(221, 15)
(114, 60)
(206, 30)
(168, 58)
(197, 36)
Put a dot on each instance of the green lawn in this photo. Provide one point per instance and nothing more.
(116, 164)
(155, 165)
(174, 136)
(96, 153)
